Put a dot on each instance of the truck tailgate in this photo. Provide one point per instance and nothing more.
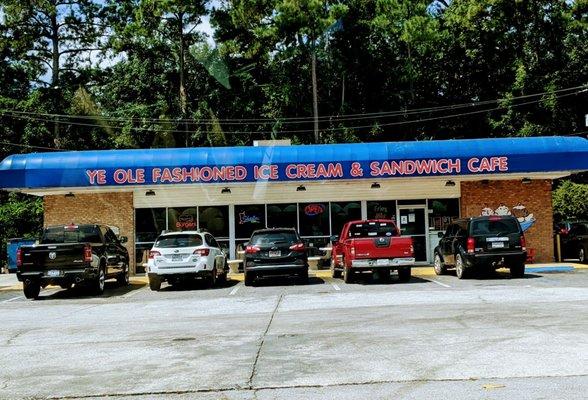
(382, 247)
(52, 256)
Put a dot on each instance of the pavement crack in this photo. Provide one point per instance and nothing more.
(262, 341)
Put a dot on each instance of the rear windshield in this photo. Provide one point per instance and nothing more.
(178, 241)
(372, 229)
(71, 234)
(495, 227)
(264, 238)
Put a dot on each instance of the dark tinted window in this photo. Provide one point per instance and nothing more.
(248, 218)
(178, 241)
(579, 229)
(72, 234)
(372, 229)
(278, 237)
(314, 219)
(149, 222)
(494, 227)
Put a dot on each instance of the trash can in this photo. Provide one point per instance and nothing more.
(12, 246)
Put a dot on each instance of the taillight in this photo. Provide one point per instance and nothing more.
(411, 249)
(471, 245)
(88, 253)
(19, 258)
(202, 252)
(251, 249)
(297, 247)
(352, 251)
(523, 243)
(153, 254)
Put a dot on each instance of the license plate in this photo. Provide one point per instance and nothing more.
(275, 253)
(382, 261)
(54, 273)
(176, 257)
(496, 245)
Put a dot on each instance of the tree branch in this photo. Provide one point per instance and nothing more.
(80, 50)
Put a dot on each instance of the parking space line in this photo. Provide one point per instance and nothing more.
(335, 286)
(12, 299)
(439, 283)
(235, 289)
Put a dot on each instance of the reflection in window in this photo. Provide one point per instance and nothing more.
(444, 211)
(342, 213)
(381, 210)
(215, 219)
(282, 216)
(149, 222)
(247, 219)
(182, 219)
(314, 219)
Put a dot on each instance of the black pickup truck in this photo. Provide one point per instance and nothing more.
(73, 254)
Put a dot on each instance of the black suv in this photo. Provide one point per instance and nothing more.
(278, 251)
(482, 244)
(574, 241)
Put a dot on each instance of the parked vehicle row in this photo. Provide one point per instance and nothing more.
(573, 240)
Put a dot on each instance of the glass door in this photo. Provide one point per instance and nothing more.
(413, 222)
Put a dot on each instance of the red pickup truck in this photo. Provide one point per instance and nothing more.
(372, 245)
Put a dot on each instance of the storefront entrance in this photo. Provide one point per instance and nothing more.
(413, 222)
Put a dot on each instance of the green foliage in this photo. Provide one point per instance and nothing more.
(20, 216)
(570, 201)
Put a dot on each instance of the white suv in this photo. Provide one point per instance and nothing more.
(177, 256)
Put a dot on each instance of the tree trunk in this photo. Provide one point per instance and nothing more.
(315, 99)
(55, 75)
(182, 93)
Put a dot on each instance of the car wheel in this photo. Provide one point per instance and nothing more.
(518, 270)
(439, 266)
(404, 274)
(335, 273)
(249, 278)
(460, 269)
(31, 290)
(303, 278)
(348, 275)
(222, 278)
(582, 255)
(212, 278)
(97, 285)
(154, 282)
(123, 277)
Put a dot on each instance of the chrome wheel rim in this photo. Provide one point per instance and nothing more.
(458, 266)
(101, 279)
(581, 255)
(437, 263)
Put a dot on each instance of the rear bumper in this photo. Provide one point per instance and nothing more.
(276, 269)
(162, 269)
(486, 259)
(388, 263)
(58, 275)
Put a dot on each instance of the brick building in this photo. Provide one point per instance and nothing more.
(315, 188)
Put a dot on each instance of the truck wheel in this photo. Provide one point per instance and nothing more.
(460, 269)
(384, 275)
(582, 255)
(348, 275)
(404, 274)
(97, 285)
(123, 277)
(439, 266)
(31, 290)
(249, 278)
(154, 283)
(518, 270)
(335, 273)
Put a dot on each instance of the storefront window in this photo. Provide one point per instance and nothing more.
(182, 219)
(215, 219)
(443, 212)
(149, 222)
(282, 216)
(381, 210)
(247, 219)
(342, 213)
(314, 219)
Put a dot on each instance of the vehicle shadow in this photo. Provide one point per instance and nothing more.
(286, 281)
(369, 279)
(494, 275)
(197, 284)
(111, 289)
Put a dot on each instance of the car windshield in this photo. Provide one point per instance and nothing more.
(372, 229)
(274, 238)
(172, 241)
(71, 234)
(495, 227)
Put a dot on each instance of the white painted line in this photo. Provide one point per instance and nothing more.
(14, 298)
(335, 286)
(235, 289)
(439, 283)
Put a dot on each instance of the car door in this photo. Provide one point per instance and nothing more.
(216, 255)
(446, 244)
(459, 239)
(114, 261)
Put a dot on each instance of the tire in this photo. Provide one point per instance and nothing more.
(249, 278)
(97, 285)
(460, 269)
(439, 266)
(582, 255)
(335, 273)
(31, 290)
(348, 275)
(384, 275)
(212, 278)
(404, 274)
(518, 270)
(154, 283)
(303, 278)
(123, 277)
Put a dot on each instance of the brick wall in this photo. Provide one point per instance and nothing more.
(535, 196)
(104, 208)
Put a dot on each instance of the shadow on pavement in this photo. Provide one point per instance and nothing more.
(111, 289)
(369, 279)
(286, 281)
(197, 284)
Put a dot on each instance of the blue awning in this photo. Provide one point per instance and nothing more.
(294, 163)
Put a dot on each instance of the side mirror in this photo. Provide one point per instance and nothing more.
(440, 235)
(335, 238)
(123, 239)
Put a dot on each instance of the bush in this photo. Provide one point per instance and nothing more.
(570, 201)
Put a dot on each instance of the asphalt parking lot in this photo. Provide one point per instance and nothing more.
(434, 337)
